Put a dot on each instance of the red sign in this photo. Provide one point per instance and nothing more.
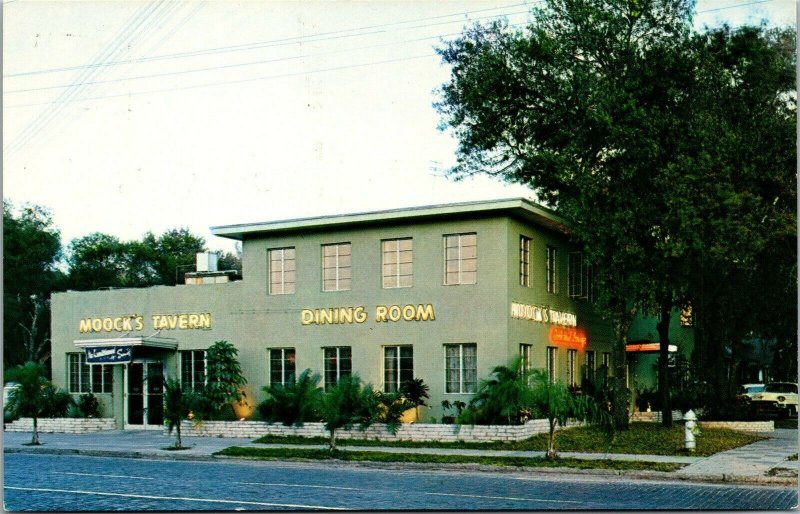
(568, 336)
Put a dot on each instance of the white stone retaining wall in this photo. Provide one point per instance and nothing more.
(655, 416)
(65, 425)
(744, 426)
(378, 431)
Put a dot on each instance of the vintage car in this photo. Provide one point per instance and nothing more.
(777, 398)
(747, 391)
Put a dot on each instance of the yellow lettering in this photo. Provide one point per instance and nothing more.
(380, 313)
(360, 315)
(325, 316)
(85, 326)
(425, 313)
(118, 324)
(173, 321)
(108, 324)
(97, 324)
(205, 320)
(126, 324)
(183, 321)
(346, 315)
(394, 313)
(157, 322)
(306, 316)
(409, 312)
(139, 322)
(193, 319)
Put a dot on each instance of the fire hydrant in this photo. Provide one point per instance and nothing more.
(689, 430)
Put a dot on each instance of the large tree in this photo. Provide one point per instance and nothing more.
(631, 126)
(31, 253)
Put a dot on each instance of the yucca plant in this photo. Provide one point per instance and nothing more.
(178, 404)
(293, 403)
(35, 396)
(347, 404)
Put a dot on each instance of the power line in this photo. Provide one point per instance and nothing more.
(733, 6)
(250, 63)
(280, 42)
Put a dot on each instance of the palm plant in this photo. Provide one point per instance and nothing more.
(178, 404)
(293, 403)
(392, 407)
(415, 391)
(35, 396)
(554, 401)
(503, 399)
(347, 404)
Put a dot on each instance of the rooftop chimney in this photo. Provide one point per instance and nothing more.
(207, 262)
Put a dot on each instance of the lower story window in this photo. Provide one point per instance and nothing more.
(281, 366)
(525, 361)
(398, 367)
(193, 369)
(461, 368)
(338, 363)
(551, 364)
(607, 360)
(572, 358)
(590, 366)
(88, 378)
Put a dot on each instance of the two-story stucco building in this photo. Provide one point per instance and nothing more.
(443, 293)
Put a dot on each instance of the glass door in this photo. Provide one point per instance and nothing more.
(144, 395)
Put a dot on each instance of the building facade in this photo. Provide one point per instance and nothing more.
(442, 293)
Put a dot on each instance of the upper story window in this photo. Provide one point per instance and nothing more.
(525, 261)
(281, 271)
(579, 278)
(552, 269)
(460, 259)
(398, 262)
(336, 270)
(193, 369)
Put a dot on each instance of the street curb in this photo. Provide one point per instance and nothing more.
(646, 475)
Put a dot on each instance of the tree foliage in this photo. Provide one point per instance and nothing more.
(178, 404)
(31, 253)
(347, 404)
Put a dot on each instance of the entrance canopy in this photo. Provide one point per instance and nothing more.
(647, 347)
(120, 350)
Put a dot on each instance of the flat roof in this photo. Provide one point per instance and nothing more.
(520, 208)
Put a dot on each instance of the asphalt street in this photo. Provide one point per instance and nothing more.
(76, 483)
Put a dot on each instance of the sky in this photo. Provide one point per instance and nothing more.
(128, 117)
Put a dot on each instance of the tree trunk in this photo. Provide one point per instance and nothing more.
(332, 440)
(663, 362)
(551, 447)
(178, 442)
(35, 437)
(619, 392)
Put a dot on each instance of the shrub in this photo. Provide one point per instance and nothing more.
(415, 391)
(224, 379)
(347, 404)
(88, 406)
(293, 403)
(503, 399)
(391, 409)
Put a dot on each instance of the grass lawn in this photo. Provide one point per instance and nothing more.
(316, 454)
(642, 438)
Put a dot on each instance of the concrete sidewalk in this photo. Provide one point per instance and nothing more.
(751, 463)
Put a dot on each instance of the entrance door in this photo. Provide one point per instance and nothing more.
(145, 390)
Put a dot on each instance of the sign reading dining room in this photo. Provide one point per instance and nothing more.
(383, 314)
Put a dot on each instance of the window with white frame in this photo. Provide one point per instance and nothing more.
(551, 363)
(398, 367)
(552, 269)
(460, 259)
(338, 363)
(524, 261)
(336, 267)
(281, 270)
(525, 357)
(193, 369)
(572, 363)
(607, 359)
(577, 279)
(281, 366)
(398, 262)
(88, 378)
(461, 368)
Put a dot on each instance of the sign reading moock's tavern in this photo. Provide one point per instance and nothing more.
(136, 322)
(543, 315)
